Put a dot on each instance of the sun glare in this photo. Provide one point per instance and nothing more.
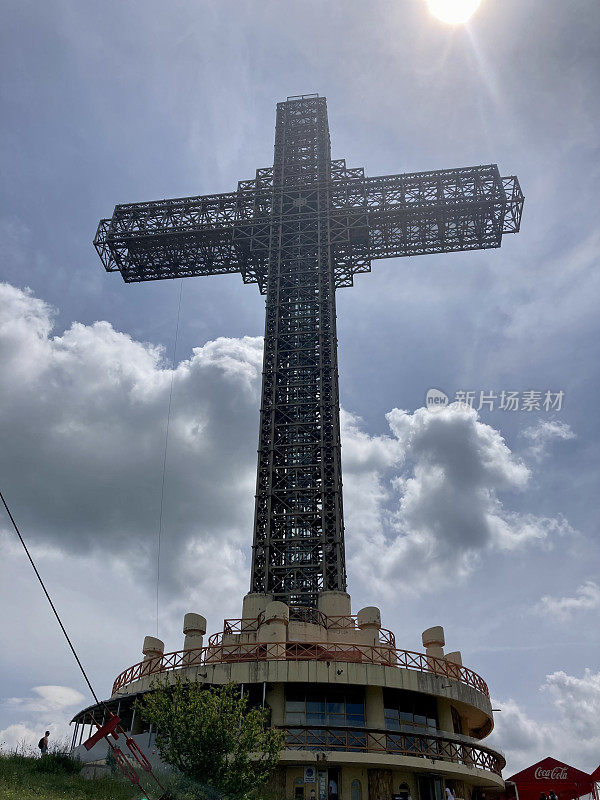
(453, 12)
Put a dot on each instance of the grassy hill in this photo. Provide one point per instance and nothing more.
(53, 778)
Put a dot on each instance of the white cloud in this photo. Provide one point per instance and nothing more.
(47, 699)
(425, 503)
(587, 598)
(571, 735)
(19, 737)
(83, 424)
(544, 433)
(83, 420)
(43, 710)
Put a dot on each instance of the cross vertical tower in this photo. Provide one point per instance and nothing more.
(300, 230)
(298, 528)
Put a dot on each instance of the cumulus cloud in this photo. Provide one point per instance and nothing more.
(544, 434)
(19, 737)
(426, 500)
(572, 734)
(44, 709)
(47, 699)
(83, 426)
(587, 598)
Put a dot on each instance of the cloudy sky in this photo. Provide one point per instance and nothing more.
(484, 522)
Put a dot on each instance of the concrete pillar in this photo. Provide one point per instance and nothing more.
(445, 722)
(374, 713)
(455, 663)
(254, 603)
(275, 699)
(433, 642)
(334, 604)
(273, 628)
(153, 648)
(369, 620)
(194, 628)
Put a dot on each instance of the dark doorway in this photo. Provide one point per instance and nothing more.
(430, 788)
(333, 784)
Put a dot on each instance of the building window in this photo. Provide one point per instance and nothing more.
(409, 711)
(355, 791)
(325, 707)
(456, 720)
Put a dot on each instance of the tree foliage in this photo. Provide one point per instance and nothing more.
(212, 736)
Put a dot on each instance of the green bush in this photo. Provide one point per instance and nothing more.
(57, 764)
(214, 738)
(182, 787)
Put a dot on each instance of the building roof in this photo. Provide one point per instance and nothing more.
(551, 771)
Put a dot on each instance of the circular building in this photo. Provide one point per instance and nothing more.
(363, 719)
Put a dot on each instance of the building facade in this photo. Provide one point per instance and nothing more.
(363, 719)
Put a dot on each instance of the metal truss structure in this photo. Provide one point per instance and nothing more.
(300, 230)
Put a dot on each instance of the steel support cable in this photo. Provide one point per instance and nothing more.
(164, 467)
(101, 703)
(56, 614)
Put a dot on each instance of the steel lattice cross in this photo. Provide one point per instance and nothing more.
(300, 230)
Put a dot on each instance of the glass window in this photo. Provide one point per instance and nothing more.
(409, 711)
(331, 708)
(354, 708)
(456, 720)
(355, 722)
(355, 791)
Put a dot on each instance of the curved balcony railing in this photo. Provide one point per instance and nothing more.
(359, 740)
(236, 627)
(347, 622)
(301, 651)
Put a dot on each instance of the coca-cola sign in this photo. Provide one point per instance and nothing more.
(554, 774)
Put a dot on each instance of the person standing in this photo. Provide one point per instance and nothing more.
(43, 743)
(333, 789)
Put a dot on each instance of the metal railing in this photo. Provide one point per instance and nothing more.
(347, 622)
(301, 651)
(360, 740)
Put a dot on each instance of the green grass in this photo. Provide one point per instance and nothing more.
(25, 777)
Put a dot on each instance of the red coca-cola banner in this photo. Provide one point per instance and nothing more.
(550, 775)
(554, 774)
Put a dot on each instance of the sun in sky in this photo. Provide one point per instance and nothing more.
(453, 12)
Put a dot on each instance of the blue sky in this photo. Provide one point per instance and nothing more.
(486, 524)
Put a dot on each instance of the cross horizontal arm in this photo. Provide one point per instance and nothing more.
(183, 237)
(469, 208)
